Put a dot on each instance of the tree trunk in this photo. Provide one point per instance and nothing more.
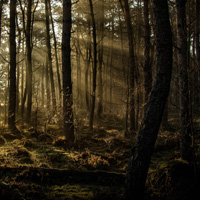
(100, 79)
(197, 43)
(87, 66)
(22, 81)
(143, 149)
(66, 71)
(94, 70)
(29, 62)
(48, 102)
(131, 65)
(185, 124)
(147, 63)
(56, 53)
(12, 73)
(1, 11)
(42, 85)
(78, 65)
(48, 43)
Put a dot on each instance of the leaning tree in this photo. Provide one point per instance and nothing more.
(142, 151)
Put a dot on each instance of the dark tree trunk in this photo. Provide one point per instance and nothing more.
(42, 85)
(29, 62)
(48, 43)
(185, 124)
(147, 63)
(87, 66)
(197, 44)
(131, 65)
(12, 73)
(66, 72)
(56, 53)
(197, 32)
(48, 102)
(100, 56)
(94, 70)
(22, 80)
(143, 149)
(1, 11)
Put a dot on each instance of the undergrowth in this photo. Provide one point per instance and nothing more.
(105, 149)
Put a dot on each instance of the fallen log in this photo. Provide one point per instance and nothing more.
(58, 176)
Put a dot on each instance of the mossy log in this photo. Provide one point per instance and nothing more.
(57, 176)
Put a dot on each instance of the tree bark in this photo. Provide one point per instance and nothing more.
(131, 65)
(48, 100)
(197, 44)
(48, 44)
(87, 66)
(143, 149)
(1, 11)
(185, 124)
(100, 56)
(12, 72)
(147, 63)
(94, 70)
(29, 62)
(66, 72)
(56, 53)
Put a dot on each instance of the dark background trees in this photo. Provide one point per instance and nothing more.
(109, 53)
(12, 71)
(143, 148)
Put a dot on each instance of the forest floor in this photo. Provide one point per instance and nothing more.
(38, 164)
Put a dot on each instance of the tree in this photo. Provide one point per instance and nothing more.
(185, 124)
(12, 72)
(49, 60)
(143, 148)
(56, 52)
(94, 69)
(126, 9)
(29, 62)
(1, 11)
(100, 58)
(197, 36)
(147, 62)
(66, 72)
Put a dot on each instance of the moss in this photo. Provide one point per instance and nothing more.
(84, 192)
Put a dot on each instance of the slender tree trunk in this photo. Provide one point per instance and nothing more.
(48, 43)
(18, 72)
(197, 43)
(87, 66)
(1, 11)
(185, 124)
(110, 64)
(48, 102)
(56, 53)
(147, 63)
(66, 71)
(42, 85)
(100, 82)
(94, 69)
(29, 62)
(12, 73)
(131, 65)
(126, 84)
(143, 149)
(78, 65)
(22, 81)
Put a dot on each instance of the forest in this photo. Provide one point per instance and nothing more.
(99, 99)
